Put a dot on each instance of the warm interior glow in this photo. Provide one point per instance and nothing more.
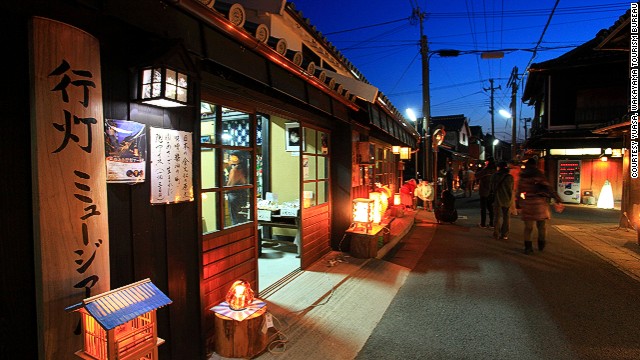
(405, 153)
(579, 151)
(240, 295)
(605, 200)
(395, 149)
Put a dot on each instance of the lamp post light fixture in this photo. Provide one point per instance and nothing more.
(504, 113)
(412, 116)
(493, 151)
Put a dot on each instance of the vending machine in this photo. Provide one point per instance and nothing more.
(569, 180)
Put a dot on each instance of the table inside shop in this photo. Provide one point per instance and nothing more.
(278, 221)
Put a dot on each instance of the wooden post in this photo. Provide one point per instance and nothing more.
(240, 339)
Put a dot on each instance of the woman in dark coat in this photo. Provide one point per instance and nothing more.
(534, 192)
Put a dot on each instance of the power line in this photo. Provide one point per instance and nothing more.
(366, 27)
(535, 50)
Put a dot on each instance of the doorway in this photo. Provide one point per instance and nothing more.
(278, 192)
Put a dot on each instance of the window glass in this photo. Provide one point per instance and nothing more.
(323, 192)
(323, 139)
(208, 168)
(309, 167)
(209, 211)
(323, 167)
(237, 209)
(310, 140)
(207, 123)
(226, 171)
(236, 129)
(309, 195)
(237, 167)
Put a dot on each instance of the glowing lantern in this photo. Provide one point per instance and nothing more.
(377, 206)
(240, 295)
(396, 199)
(605, 200)
(395, 149)
(121, 323)
(363, 212)
(405, 153)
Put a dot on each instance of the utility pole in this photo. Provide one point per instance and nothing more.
(491, 108)
(513, 81)
(426, 100)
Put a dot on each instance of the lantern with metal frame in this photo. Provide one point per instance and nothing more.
(163, 86)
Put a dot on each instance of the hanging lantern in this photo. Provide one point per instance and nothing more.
(163, 86)
(396, 199)
(240, 295)
(395, 149)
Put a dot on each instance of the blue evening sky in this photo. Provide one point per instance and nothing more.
(388, 54)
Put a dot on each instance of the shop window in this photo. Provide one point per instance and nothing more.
(227, 175)
(315, 168)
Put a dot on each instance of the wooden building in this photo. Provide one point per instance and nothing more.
(257, 88)
(575, 96)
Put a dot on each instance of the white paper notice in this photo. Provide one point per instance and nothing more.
(171, 166)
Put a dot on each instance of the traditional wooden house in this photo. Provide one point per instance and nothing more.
(575, 96)
(243, 85)
(454, 151)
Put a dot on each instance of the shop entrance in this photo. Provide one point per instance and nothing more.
(279, 200)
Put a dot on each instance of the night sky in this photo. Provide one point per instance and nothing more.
(382, 42)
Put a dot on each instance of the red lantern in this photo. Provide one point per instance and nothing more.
(240, 295)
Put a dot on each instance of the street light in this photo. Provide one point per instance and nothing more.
(412, 116)
(493, 151)
(505, 114)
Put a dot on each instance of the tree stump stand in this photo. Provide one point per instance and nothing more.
(240, 339)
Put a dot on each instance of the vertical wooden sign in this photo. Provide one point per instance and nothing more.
(69, 180)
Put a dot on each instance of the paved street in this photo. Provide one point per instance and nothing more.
(469, 296)
(451, 291)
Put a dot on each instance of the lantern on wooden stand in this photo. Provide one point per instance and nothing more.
(121, 323)
(240, 323)
(240, 295)
(363, 214)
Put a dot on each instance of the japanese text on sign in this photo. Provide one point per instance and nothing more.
(171, 166)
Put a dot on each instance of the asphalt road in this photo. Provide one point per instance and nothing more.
(472, 297)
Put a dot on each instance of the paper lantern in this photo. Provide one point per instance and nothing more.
(363, 213)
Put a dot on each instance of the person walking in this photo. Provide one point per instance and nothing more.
(449, 178)
(534, 192)
(484, 181)
(469, 180)
(502, 189)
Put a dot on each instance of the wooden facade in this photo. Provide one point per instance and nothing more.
(165, 242)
